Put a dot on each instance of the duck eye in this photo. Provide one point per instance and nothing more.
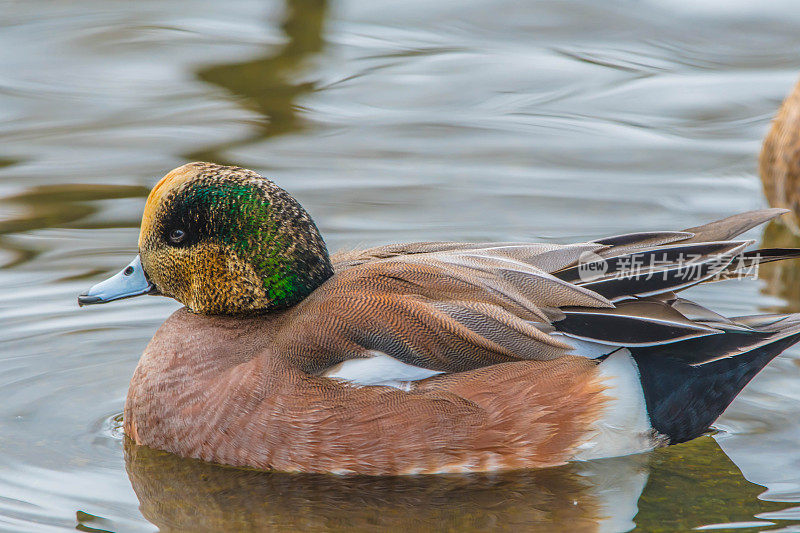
(177, 235)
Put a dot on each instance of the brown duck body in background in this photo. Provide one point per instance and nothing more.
(779, 167)
(779, 163)
(424, 357)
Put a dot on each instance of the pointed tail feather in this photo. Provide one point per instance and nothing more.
(747, 264)
(733, 226)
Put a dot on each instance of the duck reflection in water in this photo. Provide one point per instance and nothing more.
(179, 494)
(668, 488)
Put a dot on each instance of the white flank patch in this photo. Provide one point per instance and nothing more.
(585, 348)
(379, 369)
(624, 426)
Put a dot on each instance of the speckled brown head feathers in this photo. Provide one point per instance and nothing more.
(224, 240)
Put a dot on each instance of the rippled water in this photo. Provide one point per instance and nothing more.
(471, 120)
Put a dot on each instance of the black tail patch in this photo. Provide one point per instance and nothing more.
(683, 397)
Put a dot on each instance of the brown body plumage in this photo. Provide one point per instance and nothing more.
(244, 404)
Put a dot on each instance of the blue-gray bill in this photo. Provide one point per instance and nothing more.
(130, 281)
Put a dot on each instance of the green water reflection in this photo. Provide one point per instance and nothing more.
(783, 277)
(56, 206)
(269, 85)
(696, 484)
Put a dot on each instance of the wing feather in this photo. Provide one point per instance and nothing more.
(451, 307)
(633, 323)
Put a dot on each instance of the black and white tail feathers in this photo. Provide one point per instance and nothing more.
(688, 384)
(692, 362)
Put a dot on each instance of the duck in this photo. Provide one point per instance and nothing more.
(779, 160)
(425, 357)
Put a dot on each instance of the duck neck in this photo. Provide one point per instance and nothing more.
(291, 272)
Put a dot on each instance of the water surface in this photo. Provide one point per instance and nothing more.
(472, 120)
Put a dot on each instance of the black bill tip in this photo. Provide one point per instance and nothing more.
(85, 299)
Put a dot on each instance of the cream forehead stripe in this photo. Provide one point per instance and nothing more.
(173, 179)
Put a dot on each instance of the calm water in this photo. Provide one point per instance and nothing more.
(390, 121)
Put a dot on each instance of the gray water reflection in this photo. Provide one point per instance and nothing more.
(390, 122)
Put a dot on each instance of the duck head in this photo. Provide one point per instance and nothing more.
(221, 240)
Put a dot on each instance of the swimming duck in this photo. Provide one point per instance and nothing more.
(426, 357)
(779, 162)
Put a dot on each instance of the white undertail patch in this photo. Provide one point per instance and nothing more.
(624, 425)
